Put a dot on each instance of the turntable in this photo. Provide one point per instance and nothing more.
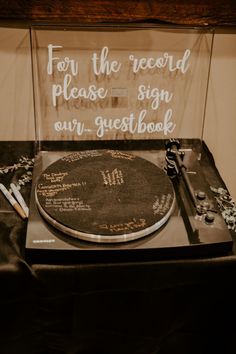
(120, 183)
(104, 196)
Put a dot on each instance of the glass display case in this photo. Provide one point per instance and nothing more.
(121, 167)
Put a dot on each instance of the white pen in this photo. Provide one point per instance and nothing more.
(12, 201)
(20, 199)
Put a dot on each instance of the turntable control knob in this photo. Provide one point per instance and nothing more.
(209, 218)
(202, 207)
(201, 195)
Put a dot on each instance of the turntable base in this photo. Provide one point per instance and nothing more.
(85, 204)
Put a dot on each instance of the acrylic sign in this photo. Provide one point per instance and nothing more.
(141, 84)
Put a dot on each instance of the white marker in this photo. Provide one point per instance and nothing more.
(12, 201)
(20, 199)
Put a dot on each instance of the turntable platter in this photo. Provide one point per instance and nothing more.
(105, 196)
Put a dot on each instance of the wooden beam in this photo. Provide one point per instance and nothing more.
(71, 12)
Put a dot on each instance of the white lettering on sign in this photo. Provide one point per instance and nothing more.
(62, 65)
(130, 124)
(71, 126)
(135, 125)
(154, 94)
(161, 62)
(66, 85)
(92, 93)
(101, 65)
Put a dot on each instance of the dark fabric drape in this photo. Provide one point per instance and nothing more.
(165, 307)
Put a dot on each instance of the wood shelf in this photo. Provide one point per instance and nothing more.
(217, 13)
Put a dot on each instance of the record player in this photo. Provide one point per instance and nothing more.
(122, 172)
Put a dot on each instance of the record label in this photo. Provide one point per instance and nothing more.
(105, 196)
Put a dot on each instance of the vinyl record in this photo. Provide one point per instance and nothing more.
(105, 196)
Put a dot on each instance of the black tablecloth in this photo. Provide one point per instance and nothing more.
(168, 306)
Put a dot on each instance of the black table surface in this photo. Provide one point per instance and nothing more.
(169, 306)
